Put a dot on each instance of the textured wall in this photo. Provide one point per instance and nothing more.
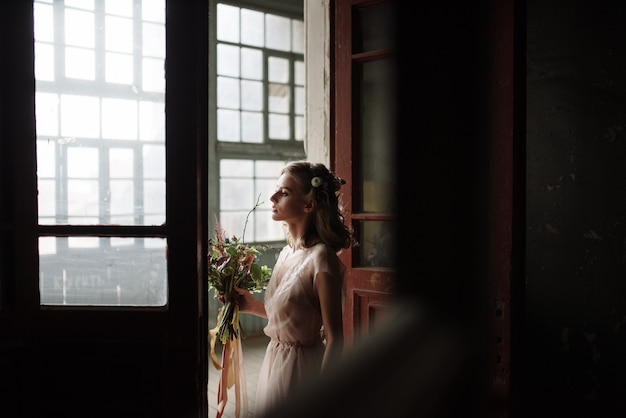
(575, 305)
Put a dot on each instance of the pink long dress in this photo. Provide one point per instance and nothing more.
(294, 353)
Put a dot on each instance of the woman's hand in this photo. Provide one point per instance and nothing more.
(242, 297)
(247, 302)
(236, 296)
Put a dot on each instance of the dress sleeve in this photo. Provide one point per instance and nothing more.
(327, 261)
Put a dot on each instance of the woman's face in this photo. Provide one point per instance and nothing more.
(288, 201)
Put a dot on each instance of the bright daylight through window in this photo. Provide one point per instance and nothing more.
(260, 112)
(100, 119)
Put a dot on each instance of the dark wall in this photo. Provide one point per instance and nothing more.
(575, 299)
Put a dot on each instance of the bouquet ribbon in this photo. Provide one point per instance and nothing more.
(231, 367)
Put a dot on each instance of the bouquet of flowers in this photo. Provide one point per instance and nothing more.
(232, 264)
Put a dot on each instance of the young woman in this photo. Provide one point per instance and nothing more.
(303, 301)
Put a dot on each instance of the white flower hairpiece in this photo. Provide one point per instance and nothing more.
(316, 181)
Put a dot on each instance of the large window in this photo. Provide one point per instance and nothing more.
(259, 106)
(100, 121)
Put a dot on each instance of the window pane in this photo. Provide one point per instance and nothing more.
(299, 127)
(44, 64)
(82, 202)
(154, 202)
(122, 197)
(377, 150)
(277, 32)
(79, 28)
(251, 64)
(46, 166)
(122, 191)
(251, 95)
(153, 76)
(83, 194)
(278, 100)
(251, 127)
(80, 63)
(299, 73)
(236, 194)
(119, 68)
(102, 271)
(47, 113)
(151, 117)
(121, 163)
(244, 184)
(299, 102)
(373, 27)
(227, 60)
(119, 119)
(227, 23)
(44, 30)
(278, 70)
(252, 27)
(153, 11)
(80, 116)
(82, 162)
(82, 174)
(153, 40)
(278, 126)
(153, 161)
(377, 244)
(228, 125)
(297, 43)
(228, 92)
(118, 34)
(47, 204)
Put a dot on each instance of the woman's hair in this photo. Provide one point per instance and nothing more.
(327, 225)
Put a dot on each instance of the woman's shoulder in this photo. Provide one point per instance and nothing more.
(324, 252)
(325, 259)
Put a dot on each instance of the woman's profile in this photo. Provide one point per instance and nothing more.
(303, 300)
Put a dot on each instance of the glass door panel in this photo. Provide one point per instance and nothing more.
(100, 121)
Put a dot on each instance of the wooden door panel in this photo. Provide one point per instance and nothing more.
(359, 138)
(370, 309)
(368, 294)
(74, 360)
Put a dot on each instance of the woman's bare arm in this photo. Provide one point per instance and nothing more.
(329, 292)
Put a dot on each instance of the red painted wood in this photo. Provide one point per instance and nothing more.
(368, 290)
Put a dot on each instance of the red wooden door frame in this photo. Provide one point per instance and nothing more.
(506, 188)
(368, 289)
